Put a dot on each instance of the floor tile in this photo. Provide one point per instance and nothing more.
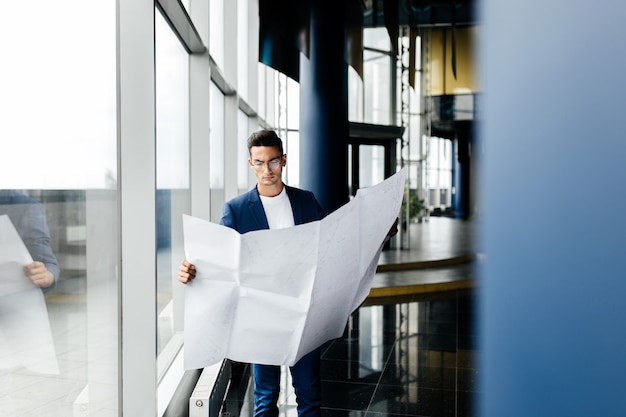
(347, 395)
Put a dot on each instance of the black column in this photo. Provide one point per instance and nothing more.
(324, 106)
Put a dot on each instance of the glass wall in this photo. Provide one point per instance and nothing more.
(378, 68)
(58, 209)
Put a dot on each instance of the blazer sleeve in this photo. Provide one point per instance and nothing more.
(228, 216)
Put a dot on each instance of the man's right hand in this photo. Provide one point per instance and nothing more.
(39, 274)
(186, 272)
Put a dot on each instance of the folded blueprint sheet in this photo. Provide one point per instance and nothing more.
(272, 296)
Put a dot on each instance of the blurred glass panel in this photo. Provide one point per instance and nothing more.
(59, 345)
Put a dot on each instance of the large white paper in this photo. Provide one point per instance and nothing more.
(272, 296)
(25, 337)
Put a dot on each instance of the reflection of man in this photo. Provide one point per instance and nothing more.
(25, 336)
(28, 217)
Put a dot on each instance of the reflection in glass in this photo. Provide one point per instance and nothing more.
(27, 264)
(59, 118)
(172, 172)
(405, 358)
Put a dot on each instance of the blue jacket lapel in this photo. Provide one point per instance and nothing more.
(257, 214)
(296, 207)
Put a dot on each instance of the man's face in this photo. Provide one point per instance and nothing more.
(267, 164)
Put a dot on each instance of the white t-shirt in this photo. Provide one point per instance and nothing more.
(278, 210)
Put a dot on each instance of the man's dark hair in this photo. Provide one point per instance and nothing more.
(265, 138)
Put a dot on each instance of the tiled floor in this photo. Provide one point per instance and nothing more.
(413, 353)
(412, 358)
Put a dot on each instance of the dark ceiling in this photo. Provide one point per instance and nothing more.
(284, 24)
(419, 13)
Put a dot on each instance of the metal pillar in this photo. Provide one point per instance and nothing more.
(324, 107)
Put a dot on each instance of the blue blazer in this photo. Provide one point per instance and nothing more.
(245, 213)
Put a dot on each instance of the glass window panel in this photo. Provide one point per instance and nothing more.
(216, 29)
(377, 73)
(271, 96)
(355, 96)
(291, 173)
(445, 179)
(58, 187)
(243, 169)
(293, 105)
(282, 104)
(377, 38)
(262, 88)
(172, 171)
(216, 143)
(217, 137)
(439, 173)
(371, 165)
(243, 65)
(415, 147)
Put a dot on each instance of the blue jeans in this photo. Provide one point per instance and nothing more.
(305, 377)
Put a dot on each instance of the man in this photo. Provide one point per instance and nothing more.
(273, 205)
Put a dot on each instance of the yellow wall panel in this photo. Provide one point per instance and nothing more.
(443, 80)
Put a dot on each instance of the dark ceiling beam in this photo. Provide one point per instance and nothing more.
(426, 13)
(177, 18)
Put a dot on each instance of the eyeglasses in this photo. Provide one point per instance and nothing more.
(272, 163)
